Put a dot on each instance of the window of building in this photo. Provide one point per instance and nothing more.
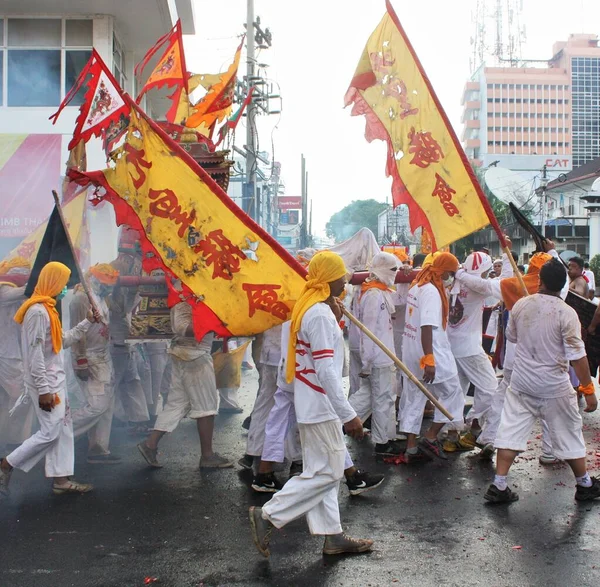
(119, 62)
(37, 54)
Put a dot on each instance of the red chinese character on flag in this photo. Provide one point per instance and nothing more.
(444, 192)
(220, 252)
(136, 158)
(264, 297)
(424, 148)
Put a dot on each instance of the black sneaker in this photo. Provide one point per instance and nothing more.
(387, 449)
(494, 495)
(296, 468)
(246, 423)
(246, 462)
(266, 483)
(588, 493)
(363, 481)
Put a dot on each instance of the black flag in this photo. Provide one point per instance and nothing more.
(55, 247)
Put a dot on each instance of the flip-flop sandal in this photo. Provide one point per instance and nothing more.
(72, 487)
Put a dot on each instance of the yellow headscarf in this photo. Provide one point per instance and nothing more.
(323, 268)
(104, 273)
(53, 278)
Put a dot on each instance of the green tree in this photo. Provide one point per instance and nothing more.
(356, 215)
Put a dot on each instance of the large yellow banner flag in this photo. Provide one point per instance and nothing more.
(237, 278)
(430, 171)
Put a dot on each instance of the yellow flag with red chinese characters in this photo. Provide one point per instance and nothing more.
(430, 171)
(237, 278)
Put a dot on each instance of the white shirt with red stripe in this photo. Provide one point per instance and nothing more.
(318, 392)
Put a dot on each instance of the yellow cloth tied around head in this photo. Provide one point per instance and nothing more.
(52, 280)
(104, 273)
(323, 268)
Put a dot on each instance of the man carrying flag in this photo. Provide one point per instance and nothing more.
(93, 366)
(315, 357)
(42, 340)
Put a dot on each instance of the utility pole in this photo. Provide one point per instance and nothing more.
(251, 118)
(544, 183)
(304, 226)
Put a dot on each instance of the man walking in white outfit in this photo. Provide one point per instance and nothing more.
(42, 342)
(315, 357)
(93, 367)
(376, 396)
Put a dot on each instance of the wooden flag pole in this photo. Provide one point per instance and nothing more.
(82, 278)
(399, 364)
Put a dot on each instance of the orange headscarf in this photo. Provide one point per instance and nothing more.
(104, 273)
(52, 280)
(441, 263)
(399, 253)
(511, 288)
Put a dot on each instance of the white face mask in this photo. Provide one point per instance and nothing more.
(448, 282)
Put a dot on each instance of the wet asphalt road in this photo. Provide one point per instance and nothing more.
(178, 527)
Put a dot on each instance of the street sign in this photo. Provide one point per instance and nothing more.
(284, 218)
(289, 202)
(284, 240)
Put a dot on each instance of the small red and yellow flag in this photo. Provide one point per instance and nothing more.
(237, 278)
(430, 171)
(216, 105)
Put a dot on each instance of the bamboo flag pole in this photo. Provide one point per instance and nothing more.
(84, 282)
(399, 364)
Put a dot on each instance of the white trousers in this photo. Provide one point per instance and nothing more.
(398, 323)
(281, 430)
(193, 393)
(128, 388)
(412, 404)
(355, 368)
(54, 441)
(314, 493)
(491, 425)
(95, 416)
(478, 370)
(158, 363)
(16, 428)
(562, 417)
(262, 407)
(376, 397)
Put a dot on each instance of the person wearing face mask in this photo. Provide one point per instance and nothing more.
(375, 396)
(42, 341)
(464, 333)
(426, 350)
(93, 366)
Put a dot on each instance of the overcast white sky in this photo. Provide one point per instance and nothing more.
(316, 46)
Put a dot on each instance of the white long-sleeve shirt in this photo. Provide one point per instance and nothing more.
(94, 346)
(285, 338)
(318, 392)
(44, 369)
(10, 332)
(270, 352)
(375, 312)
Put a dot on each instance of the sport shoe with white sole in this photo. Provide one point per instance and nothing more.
(342, 544)
(266, 483)
(246, 462)
(362, 481)
(545, 459)
(433, 448)
(261, 530)
(216, 461)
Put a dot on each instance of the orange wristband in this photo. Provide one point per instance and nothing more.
(427, 361)
(588, 389)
